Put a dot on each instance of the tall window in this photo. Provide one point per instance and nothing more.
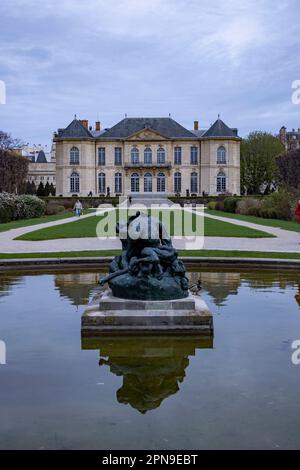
(221, 182)
(161, 183)
(118, 155)
(74, 183)
(177, 155)
(194, 155)
(161, 155)
(194, 182)
(135, 183)
(74, 156)
(147, 155)
(101, 183)
(135, 155)
(118, 183)
(221, 155)
(148, 183)
(177, 182)
(101, 156)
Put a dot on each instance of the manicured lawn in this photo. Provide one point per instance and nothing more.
(176, 224)
(285, 224)
(36, 221)
(189, 253)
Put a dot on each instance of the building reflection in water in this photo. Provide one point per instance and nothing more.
(152, 367)
(77, 287)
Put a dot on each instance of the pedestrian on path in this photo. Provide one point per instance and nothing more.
(78, 208)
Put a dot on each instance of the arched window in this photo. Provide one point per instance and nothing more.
(161, 155)
(147, 183)
(147, 155)
(177, 182)
(221, 182)
(221, 155)
(135, 155)
(74, 183)
(74, 156)
(135, 183)
(118, 183)
(194, 182)
(101, 183)
(161, 183)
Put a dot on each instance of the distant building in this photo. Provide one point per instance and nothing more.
(290, 139)
(42, 163)
(41, 170)
(147, 155)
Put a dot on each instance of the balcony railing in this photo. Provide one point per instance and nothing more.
(148, 165)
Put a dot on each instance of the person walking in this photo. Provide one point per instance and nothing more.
(78, 208)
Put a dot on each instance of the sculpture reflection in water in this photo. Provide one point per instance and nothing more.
(152, 367)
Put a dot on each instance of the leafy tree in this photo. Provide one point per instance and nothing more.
(289, 168)
(13, 172)
(259, 169)
(40, 190)
(28, 188)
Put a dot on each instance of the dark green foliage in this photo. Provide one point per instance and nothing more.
(230, 204)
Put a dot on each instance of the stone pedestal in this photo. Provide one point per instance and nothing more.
(108, 314)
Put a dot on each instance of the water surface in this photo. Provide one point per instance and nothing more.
(240, 390)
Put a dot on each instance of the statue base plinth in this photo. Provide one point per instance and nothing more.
(108, 314)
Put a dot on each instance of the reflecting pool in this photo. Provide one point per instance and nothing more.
(239, 389)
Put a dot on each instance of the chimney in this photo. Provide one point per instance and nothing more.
(85, 123)
(196, 125)
(97, 126)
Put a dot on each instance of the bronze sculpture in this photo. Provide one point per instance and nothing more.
(148, 268)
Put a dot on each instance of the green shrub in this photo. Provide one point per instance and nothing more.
(53, 208)
(220, 206)
(248, 204)
(211, 205)
(280, 203)
(28, 207)
(230, 204)
(6, 207)
(14, 207)
(268, 213)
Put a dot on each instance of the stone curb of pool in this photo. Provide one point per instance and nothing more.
(189, 260)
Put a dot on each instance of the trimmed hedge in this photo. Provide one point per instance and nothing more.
(15, 207)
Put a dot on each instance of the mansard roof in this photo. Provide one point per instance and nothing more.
(220, 129)
(75, 130)
(164, 126)
(41, 158)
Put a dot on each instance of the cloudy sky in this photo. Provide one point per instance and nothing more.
(194, 59)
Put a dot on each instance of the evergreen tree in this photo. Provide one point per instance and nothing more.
(47, 189)
(40, 190)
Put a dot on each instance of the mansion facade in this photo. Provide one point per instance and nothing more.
(147, 155)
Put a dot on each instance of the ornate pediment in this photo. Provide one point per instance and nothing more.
(147, 134)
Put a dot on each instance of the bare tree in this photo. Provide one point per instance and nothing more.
(7, 142)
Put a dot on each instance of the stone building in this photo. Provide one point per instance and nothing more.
(290, 139)
(40, 170)
(42, 166)
(147, 155)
